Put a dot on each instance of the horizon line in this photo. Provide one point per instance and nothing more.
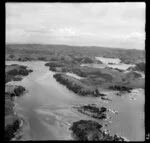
(74, 46)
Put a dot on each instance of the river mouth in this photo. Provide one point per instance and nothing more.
(48, 107)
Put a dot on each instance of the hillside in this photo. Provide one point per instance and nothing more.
(28, 52)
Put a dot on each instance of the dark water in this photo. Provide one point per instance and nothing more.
(48, 107)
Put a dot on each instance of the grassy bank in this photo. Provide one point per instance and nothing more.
(77, 86)
(12, 121)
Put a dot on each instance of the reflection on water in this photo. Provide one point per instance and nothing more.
(48, 107)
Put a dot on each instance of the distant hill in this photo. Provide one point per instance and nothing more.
(46, 51)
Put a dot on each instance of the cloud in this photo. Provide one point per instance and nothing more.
(137, 37)
(76, 23)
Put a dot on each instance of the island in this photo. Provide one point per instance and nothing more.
(77, 86)
(89, 130)
(93, 111)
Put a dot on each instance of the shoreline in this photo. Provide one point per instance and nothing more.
(21, 124)
(13, 121)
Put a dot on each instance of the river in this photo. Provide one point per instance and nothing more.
(47, 106)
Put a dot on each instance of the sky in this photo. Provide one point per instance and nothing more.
(118, 25)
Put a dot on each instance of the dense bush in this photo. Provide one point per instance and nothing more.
(13, 73)
(42, 58)
(91, 131)
(11, 129)
(93, 111)
(120, 88)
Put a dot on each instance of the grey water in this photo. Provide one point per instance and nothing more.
(47, 106)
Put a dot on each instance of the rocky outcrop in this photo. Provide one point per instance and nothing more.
(93, 111)
(89, 130)
(104, 98)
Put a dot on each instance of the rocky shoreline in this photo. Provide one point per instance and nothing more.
(12, 120)
(93, 111)
(88, 130)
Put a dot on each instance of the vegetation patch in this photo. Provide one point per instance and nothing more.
(77, 86)
(12, 121)
(93, 111)
(12, 124)
(15, 72)
(139, 67)
(89, 130)
(121, 88)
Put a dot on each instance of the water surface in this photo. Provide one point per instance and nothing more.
(47, 105)
(108, 60)
(114, 63)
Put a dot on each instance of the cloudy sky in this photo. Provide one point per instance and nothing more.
(98, 24)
